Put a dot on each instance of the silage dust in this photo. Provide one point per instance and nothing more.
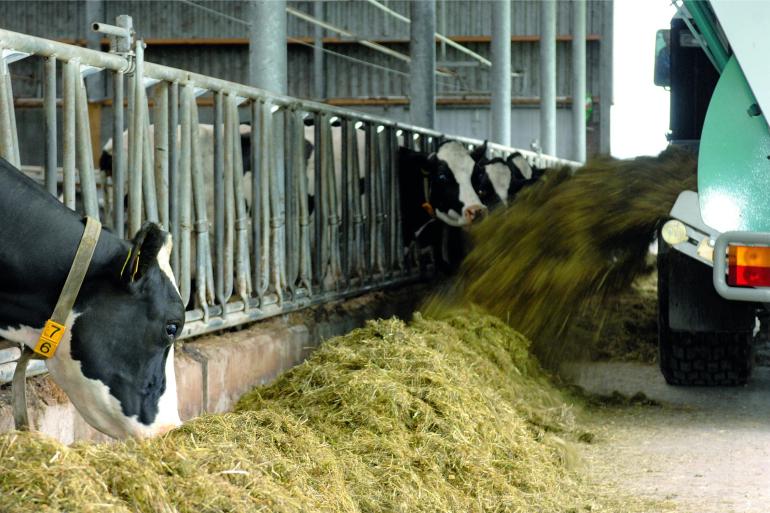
(573, 239)
(452, 415)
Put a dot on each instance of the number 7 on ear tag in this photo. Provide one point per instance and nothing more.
(49, 338)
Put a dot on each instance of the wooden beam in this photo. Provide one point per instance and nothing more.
(242, 41)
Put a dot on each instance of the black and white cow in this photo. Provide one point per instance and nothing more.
(116, 359)
(497, 181)
(438, 199)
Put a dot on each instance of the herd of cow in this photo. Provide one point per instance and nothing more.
(115, 359)
(441, 192)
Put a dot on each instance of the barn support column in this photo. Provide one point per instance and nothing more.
(548, 77)
(579, 80)
(501, 71)
(605, 77)
(267, 45)
(422, 49)
(94, 12)
(319, 84)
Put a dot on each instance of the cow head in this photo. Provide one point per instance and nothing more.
(116, 363)
(496, 181)
(447, 184)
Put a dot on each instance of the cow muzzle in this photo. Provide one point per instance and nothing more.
(474, 213)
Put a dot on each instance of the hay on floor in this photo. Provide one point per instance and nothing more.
(451, 415)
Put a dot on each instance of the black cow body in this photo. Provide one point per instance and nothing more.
(115, 362)
(437, 201)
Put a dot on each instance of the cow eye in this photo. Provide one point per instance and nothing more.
(171, 330)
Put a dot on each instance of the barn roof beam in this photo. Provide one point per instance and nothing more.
(364, 42)
(440, 37)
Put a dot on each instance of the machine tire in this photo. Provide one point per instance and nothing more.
(691, 358)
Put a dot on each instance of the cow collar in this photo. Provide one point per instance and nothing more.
(426, 206)
(55, 326)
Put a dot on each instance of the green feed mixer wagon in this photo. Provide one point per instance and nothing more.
(714, 251)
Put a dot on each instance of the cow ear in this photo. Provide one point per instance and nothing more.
(479, 152)
(147, 243)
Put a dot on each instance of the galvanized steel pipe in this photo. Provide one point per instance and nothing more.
(85, 152)
(422, 48)
(579, 80)
(548, 76)
(501, 71)
(49, 107)
(118, 155)
(69, 128)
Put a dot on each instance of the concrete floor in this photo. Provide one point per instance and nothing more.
(704, 450)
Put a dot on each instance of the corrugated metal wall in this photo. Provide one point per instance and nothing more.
(174, 23)
(64, 19)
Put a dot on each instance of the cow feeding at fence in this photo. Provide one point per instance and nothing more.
(450, 415)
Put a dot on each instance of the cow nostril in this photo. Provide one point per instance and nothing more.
(475, 213)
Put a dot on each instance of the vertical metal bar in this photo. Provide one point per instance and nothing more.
(366, 211)
(359, 211)
(579, 80)
(49, 105)
(148, 167)
(267, 45)
(118, 156)
(346, 199)
(173, 175)
(305, 273)
(85, 151)
(277, 219)
(71, 69)
(605, 77)
(548, 77)
(219, 200)
(265, 162)
(160, 112)
(204, 295)
(396, 241)
(331, 209)
(7, 150)
(241, 221)
(136, 145)
(93, 11)
(256, 195)
(422, 49)
(229, 201)
(316, 193)
(290, 205)
(12, 117)
(319, 82)
(185, 189)
(501, 71)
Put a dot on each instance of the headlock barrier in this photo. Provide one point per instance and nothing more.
(247, 244)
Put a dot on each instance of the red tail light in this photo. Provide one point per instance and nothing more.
(748, 266)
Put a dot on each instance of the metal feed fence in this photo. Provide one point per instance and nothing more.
(246, 245)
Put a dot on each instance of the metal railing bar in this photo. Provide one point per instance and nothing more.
(49, 107)
(118, 155)
(69, 93)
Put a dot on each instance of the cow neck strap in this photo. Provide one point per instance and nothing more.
(55, 326)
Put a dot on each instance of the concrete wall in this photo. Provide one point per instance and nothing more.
(214, 371)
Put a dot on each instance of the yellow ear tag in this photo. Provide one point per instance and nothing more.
(429, 209)
(49, 338)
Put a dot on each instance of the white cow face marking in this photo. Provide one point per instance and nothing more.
(456, 203)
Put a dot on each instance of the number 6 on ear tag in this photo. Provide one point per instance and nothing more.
(49, 338)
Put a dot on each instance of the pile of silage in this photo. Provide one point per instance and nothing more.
(448, 415)
(572, 239)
